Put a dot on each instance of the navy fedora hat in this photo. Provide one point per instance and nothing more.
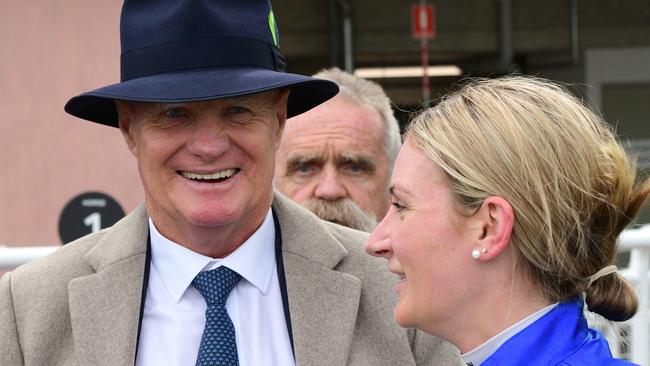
(193, 50)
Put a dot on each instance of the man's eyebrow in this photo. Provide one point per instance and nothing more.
(293, 162)
(366, 162)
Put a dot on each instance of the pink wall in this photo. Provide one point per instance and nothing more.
(50, 51)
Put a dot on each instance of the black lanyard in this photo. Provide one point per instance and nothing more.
(279, 265)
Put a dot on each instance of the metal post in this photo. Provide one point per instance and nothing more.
(333, 34)
(347, 44)
(348, 48)
(424, 48)
(426, 90)
(505, 35)
(575, 57)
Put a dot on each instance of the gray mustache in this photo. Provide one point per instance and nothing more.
(344, 212)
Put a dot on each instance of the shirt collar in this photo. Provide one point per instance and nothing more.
(177, 266)
(485, 350)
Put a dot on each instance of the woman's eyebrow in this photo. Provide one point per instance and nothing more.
(397, 191)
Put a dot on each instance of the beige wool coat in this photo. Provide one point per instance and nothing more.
(81, 305)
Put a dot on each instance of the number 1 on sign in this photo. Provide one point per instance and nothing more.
(94, 220)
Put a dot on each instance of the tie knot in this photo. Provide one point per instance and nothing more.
(215, 285)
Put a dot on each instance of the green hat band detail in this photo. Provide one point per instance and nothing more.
(273, 27)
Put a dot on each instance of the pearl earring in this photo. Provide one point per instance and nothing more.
(476, 254)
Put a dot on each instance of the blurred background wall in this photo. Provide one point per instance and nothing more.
(52, 50)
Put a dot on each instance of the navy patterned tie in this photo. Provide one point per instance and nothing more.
(218, 345)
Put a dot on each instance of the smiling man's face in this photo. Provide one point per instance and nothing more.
(206, 167)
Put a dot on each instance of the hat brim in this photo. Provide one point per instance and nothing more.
(197, 85)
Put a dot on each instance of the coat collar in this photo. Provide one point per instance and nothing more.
(557, 337)
(323, 302)
(105, 305)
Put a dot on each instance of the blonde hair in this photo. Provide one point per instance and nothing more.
(558, 164)
(366, 92)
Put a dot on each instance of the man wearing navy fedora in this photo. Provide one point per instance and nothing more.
(214, 268)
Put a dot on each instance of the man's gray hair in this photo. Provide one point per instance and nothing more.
(366, 92)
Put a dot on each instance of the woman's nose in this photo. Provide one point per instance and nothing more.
(378, 243)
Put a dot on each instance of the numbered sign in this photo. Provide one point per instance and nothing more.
(87, 213)
(423, 21)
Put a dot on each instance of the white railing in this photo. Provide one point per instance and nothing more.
(636, 342)
(11, 257)
(631, 339)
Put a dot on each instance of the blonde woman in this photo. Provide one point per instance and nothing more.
(507, 201)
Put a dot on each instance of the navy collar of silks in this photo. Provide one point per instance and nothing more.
(193, 50)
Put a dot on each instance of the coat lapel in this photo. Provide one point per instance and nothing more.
(323, 302)
(105, 306)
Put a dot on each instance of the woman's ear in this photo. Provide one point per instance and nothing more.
(496, 219)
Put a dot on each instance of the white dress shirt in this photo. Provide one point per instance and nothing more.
(481, 353)
(174, 311)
